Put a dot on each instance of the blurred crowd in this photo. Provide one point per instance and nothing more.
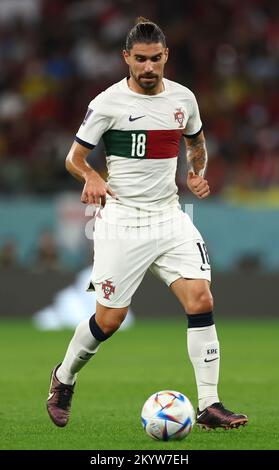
(45, 255)
(56, 55)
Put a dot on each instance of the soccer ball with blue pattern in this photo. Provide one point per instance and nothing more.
(168, 415)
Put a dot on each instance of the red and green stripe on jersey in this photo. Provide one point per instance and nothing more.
(142, 144)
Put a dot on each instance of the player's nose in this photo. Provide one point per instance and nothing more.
(148, 66)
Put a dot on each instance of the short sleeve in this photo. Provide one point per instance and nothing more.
(194, 124)
(94, 125)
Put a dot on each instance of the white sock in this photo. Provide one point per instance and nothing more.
(203, 349)
(82, 347)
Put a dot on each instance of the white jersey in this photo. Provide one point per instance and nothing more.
(141, 134)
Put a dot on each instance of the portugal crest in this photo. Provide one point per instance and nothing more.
(179, 117)
(108, 289)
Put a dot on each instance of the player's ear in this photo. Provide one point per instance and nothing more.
(166, 52)
(126, 56)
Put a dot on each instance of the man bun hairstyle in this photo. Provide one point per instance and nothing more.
(144, 31)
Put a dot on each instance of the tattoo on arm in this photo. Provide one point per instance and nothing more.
(196, 154)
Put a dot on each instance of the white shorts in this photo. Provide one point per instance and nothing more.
(122, 255)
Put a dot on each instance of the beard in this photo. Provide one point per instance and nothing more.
(146, 82)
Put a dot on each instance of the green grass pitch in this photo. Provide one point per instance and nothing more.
(111, 390)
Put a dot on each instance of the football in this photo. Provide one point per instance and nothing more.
(168, 415)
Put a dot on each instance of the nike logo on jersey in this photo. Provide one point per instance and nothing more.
(211, 360)
(131, 119)
(204, 269)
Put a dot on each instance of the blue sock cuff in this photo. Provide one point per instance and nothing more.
(199, 320)
(96, 331)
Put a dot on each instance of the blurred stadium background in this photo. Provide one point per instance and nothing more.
(55, 56)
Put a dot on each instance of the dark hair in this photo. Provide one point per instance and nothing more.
(144, 31)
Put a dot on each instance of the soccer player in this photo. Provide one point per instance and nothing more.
(140, 224)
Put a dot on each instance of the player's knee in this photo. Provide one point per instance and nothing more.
(109, 322)
(110, 326)
(203, 302)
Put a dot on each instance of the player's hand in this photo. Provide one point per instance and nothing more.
(198, 185)
(95, 190)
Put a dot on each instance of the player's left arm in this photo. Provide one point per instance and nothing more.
(197, 161)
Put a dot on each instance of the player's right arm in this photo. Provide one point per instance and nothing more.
(96, 122)
(95, 188)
